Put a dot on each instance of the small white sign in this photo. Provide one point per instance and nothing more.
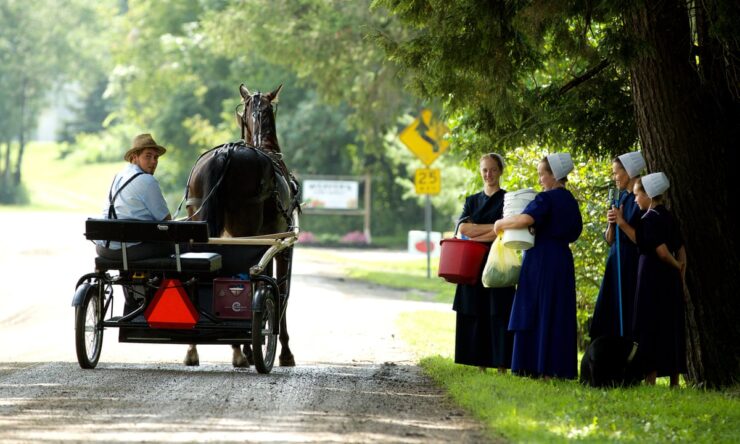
(418, 242)
(331, 194)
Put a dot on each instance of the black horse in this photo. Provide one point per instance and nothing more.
(244, 189)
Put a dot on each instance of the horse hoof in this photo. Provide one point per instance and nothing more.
(287, 361)
(239, 361)
(191, 362)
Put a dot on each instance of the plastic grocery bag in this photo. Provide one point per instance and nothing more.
(502, 267)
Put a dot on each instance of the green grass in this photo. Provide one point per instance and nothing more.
(526, 410)
(54, 184)
(408, 274)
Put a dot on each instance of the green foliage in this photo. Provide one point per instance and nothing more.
(325, 45)
(527, 410)
(516, 73)
(104, 146)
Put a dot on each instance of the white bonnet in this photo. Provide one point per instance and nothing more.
(633, 163)
(560, 164)
(497, 156)
(655, 184)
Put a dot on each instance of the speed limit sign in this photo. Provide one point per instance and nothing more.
(428, 181)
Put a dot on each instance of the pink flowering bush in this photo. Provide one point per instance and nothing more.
(354, 237)
(306, 237)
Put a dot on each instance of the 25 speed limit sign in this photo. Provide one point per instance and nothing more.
(428, 181)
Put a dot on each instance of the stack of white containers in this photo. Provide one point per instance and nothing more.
(514, 203)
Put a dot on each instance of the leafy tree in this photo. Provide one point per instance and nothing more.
(325, 44)
(31, 65)
(598, 77)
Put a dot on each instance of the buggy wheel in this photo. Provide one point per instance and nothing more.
(264, 335)
(88, 328)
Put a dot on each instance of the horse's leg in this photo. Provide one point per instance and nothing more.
(191, 356)
(247, 349)
(238, 359)
(286, 356)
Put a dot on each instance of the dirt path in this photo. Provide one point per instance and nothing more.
(355, 380)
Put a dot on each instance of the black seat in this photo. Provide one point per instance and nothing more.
(190, 262)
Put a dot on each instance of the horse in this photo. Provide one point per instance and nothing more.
(244, 189)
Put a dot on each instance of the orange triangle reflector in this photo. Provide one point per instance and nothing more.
(171, 307)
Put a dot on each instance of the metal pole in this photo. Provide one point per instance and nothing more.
(367, 209)
(428, 223)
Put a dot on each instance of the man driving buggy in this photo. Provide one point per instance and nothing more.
(135, 194)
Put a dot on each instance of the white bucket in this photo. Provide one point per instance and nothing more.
(519, 239)
(514, 203)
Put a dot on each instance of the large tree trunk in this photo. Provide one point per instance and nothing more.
(688, 129)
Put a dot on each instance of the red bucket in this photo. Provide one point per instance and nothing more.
(461, 261)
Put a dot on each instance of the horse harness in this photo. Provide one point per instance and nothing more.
(279, 169)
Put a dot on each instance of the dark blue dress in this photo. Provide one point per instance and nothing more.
(481, 336)
(543, 315)
(606, 313)
(659, 325)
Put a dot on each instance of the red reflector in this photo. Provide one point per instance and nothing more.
(171, 307)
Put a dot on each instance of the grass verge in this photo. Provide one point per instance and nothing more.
(407, 274)
(526, 410)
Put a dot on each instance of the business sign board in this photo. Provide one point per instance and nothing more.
(330, 194)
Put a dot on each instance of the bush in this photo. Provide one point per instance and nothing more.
(354, 237)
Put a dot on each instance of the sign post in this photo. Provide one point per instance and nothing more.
(425, 138)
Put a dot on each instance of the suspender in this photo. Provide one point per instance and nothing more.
(112, 198)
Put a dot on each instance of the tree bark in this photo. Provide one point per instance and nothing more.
(687, 127)
(21, 135)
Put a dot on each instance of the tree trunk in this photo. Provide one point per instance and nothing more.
(21, 136)
(6, 169)
(687, 128)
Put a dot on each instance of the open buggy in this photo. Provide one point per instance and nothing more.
(218, 291)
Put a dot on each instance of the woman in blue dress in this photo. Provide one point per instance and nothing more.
(613, 311)
(482, 338)
(543, 316)
(659, 326)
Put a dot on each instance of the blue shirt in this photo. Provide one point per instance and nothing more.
(141, 199)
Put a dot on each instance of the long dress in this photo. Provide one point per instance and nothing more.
(481, 335)
(543, 316)
(606, 320)
(659, 325)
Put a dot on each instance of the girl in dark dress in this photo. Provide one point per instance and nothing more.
(607, 320)
(481, 337)
(543, 316)
(659, 327)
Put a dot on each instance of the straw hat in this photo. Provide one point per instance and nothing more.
(560, 164)
(655, 184)
(141, 142)
(633, 163)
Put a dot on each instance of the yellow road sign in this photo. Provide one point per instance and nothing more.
(424, 137)
(428, 181)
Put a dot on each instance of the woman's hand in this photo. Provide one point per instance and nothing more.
(617, 215)
(611, 216)
(497, 227)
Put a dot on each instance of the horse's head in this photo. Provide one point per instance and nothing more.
(258, 119)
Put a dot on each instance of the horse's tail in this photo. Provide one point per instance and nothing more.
(212, 210)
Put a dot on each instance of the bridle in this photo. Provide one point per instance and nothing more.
(256, 100)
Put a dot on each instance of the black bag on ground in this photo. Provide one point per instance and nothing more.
(609, 361)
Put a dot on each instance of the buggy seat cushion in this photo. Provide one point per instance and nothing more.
(190, 261)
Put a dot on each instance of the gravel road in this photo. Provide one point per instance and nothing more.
(355, 380)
